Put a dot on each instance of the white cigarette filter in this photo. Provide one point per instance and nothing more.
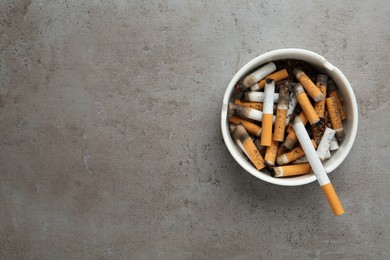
(292, 103)
(257, 75)
(334, 145)
(323, 147)
(257, 96)
(317, 167)
(247, 112)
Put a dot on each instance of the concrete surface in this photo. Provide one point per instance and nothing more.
(110, 141)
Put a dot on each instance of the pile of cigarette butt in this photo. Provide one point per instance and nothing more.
(265, 104)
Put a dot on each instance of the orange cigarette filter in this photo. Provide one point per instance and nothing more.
(276, 76)
(270, 154)
(333, 199)
(309, 86)
(333, 93)
(291, 170)
(335, 118)
(251, 149)
(266, 133)
(319, 106)
(292, 155)
(254, 105)
(305, 104)
(281, 114)
(250, 127)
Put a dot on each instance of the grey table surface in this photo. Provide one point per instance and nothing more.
(111, 146)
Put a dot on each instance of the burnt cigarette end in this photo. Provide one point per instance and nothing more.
(232, 108)
(298, 89)
(272, 171)
(241, 133)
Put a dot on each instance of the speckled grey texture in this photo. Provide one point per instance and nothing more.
(110, 141)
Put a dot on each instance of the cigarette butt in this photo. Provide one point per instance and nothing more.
(250, 127)
(333, 199)
(266, 134)
(317, 167)
(334, 94)
(309, 86)
(334, 145)
(323, 147)
(257, 75)
(335, 118)
(254, 105)
(246, 112)
(250, 148)
(281, 114)
(270, 154)
(292, 155)
(290, 141)
(256, 96)
(319, 106)
(276, 76)
(305, 104)
(291, 170)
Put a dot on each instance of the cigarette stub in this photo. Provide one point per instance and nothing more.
(256, 96)
(317, 167)
(250, 148)
(270, 154)
(309, 86)
(250, 127)
(237, 139)
(246, 112)
(305, 104)
(323, 147)
(335, 118)
(333, 93)
(319, 106)
(254, 105)
(292, 155)
(281, 114)
(256, 76)
(292, 103)
(334, 145)
(266, 133)
(276, 76)
(291, 170)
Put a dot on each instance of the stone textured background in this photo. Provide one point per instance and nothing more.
(111, 146)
